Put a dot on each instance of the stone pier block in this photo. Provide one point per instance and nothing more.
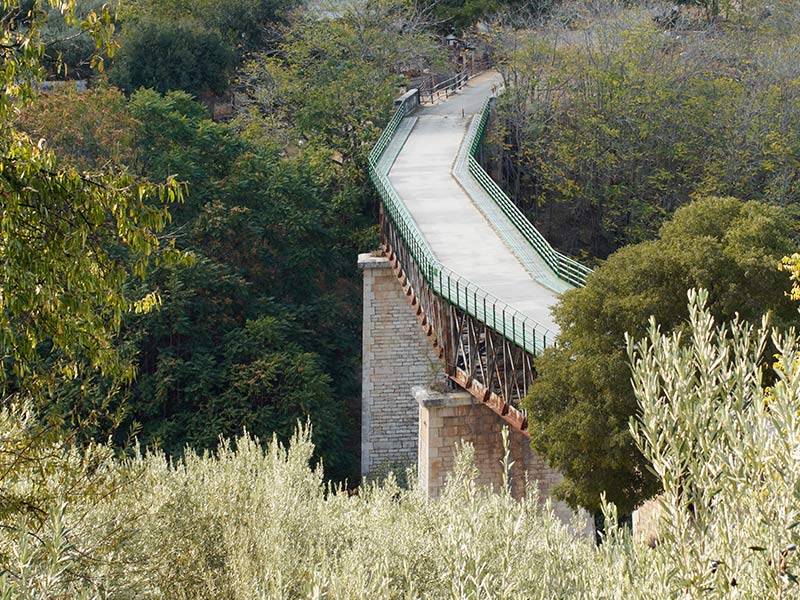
(447, 419)
(396, 355)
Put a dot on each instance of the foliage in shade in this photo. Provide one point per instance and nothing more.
(263, 236)
(580, 404)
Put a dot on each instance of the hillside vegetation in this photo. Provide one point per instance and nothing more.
(259, 324)
(178, 282)
(257, 522)
(615, 117)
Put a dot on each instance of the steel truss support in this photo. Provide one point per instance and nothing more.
(476, 358)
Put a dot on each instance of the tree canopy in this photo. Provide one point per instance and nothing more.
(69, 240)
(172, 55)
(580, 404)
(261, 328)
(244, 25)
(607, 130)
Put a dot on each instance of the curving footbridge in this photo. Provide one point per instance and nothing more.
(479, 275)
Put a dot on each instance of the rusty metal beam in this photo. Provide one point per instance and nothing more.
(475, 358)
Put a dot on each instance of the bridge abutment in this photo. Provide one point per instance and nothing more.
(446, 420)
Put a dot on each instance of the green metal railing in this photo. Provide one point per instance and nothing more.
(476, 302)
(567, 269)
(445, 88)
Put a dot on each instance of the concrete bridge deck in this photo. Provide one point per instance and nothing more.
(456, 230)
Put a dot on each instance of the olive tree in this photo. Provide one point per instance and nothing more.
(724, 447)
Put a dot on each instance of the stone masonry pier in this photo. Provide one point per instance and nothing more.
(449, 419)
(396, 356)
(404, 422)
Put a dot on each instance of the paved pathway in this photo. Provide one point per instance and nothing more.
(456, 230)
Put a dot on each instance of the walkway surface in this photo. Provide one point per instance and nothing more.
(456, 230)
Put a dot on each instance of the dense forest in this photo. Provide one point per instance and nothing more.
(184, 193)
(258, 323)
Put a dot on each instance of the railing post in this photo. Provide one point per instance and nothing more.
(513, 329)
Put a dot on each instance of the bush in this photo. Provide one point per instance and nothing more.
(257, 522)
(169, 55)
(725, 449)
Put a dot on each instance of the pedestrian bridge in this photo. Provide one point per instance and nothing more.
(478, 275)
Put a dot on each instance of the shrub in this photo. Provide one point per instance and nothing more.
(725, 449)
(170, 55)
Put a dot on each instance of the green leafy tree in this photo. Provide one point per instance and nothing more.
(172, 55)
(278, 204)
(70, 242)
(323, 97)
(271, 381)
(264, 239)
(580, 404)
(62, 238)
(174, 136)
(329, 89)
(260, 228)
(245, 25)
(333, 76)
